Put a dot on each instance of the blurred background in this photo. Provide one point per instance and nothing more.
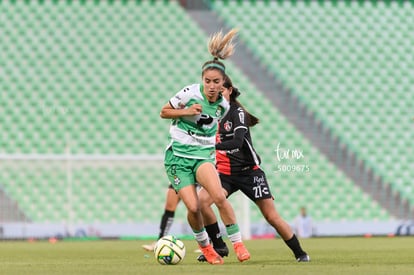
(82, 84)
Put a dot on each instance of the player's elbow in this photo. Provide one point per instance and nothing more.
(164, 113)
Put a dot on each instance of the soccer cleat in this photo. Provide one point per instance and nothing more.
(149, 247)
(303, 258)
(211, 255)
(241, 252)
(222, 251)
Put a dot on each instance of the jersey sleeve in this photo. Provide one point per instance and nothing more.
(180, 100)
(238, 118)
(235, 142)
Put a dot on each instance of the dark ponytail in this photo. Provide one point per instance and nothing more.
(250, 119)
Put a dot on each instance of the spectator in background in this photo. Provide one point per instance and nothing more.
(303, 224)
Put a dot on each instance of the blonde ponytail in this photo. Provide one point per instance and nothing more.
(221, 45)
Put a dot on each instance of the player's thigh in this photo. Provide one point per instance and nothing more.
(207, 177)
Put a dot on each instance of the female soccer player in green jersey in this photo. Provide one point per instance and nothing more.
(190, 156)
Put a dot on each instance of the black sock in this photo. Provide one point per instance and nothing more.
(213, 232)
(294, 245)
(166, 222)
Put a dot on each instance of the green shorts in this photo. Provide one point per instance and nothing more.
(181, 171)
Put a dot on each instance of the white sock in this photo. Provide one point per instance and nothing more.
(202, 237)
(235, 238)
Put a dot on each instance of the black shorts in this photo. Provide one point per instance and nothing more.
(253, 184)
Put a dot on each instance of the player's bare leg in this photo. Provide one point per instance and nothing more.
(208, 178)
(271, 215)
(195, 220)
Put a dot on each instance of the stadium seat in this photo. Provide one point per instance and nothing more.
(343, 50)
(86, 77)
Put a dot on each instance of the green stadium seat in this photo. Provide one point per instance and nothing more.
(337, 39)
(113, 83)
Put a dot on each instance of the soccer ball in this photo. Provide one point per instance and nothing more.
(169, 250)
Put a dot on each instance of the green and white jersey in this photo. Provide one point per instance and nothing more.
(195, 136)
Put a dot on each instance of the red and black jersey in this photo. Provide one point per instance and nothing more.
(234, 148)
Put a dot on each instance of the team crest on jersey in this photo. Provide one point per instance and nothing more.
(176, 180)
(228, 125)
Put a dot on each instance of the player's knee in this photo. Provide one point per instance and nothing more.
(193, 209)
(221, 202)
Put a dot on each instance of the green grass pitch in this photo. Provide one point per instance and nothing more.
(376, 255)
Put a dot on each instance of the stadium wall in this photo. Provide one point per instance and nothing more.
(181, 228)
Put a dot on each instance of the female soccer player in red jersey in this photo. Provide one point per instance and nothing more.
(238, 167)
